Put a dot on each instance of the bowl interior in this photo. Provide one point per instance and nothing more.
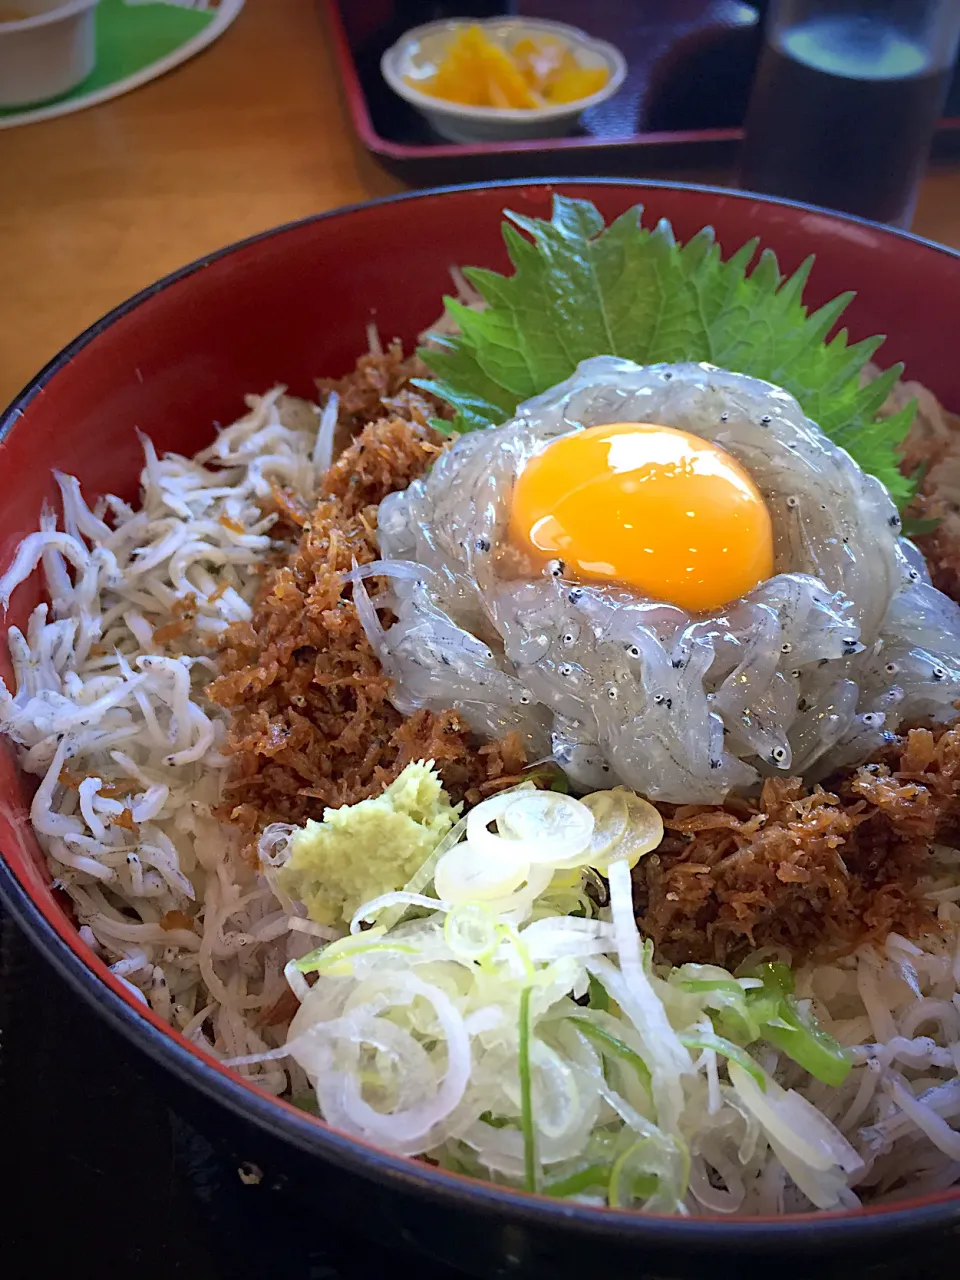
(294, 304)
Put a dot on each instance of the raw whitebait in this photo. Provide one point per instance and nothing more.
(807, 673)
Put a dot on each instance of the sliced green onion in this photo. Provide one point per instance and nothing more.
(703, 1039)
(598, 1175)
(512, 935)
(597, 996)
(470, 931)
(809, 1046)
(610, 823)
(644, 1185)
(541, 827)
(696, 985)
(496, 1122)
(720, 991)
(531, 1169)
(641, 1185)
(659, 1175)
(614, 1048)
(552, 774)
(780, 1021)
(595, 1175)
(775, 977)
(345, 949)
(737, 1024)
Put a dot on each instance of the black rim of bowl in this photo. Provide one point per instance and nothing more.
(832, 1230)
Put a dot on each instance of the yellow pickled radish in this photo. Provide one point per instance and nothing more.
(460, 75)
(575, 83)
(540, 60)
(476, 71)
(505, 83)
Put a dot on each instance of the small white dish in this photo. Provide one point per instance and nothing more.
(418, 51)
(47, 52)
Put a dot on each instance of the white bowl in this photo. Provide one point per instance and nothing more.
(47, 53)
(416, 52)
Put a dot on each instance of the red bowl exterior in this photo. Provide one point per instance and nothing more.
(293, 304)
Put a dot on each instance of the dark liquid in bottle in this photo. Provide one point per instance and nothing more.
(841, 115)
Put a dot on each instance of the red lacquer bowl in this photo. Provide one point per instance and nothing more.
(288, 306)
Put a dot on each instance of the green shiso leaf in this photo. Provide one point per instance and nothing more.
(580, 289)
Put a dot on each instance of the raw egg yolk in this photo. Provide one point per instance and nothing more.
(667, 513)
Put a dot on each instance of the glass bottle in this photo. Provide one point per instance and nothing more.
(846, 100)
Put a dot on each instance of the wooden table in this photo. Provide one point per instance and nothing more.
(251, 133)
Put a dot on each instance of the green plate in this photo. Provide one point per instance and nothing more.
(137, 40)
